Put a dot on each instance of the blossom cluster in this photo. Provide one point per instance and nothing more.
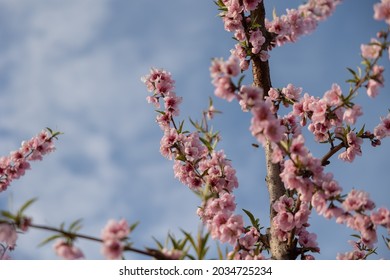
(197, 165)
(114, 234)
(251, 37)
(300, 21)
(8, 236)
(15, 165)
(382, 11)
(67, 250)
(329, 118)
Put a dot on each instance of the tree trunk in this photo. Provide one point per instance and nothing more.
(261, 78)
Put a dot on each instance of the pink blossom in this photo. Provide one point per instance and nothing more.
(232, 229)
(308, 240)
(353, 148)
(333, 96)
(250, 5)
(301, 217)
(274, 94)
(383, 129)
(113, 235)
(358, 201)
(224, 88)
(116, 230)
(231, 67)
(298, 147)
(376, 81)
(284, 203)
(372, 50)
(171, 103)
(170, 138)
(331, 188)
(284, 221)
(319, 202)
(240, 53)
(172, 254)
(264, 124)
(381, 217)
(257, 40)
(249, 96)
(264, 55)
(216, 67)
(249, 239)
(274, 131)
(354, 255)
(291, 92)
(159, 81)
(382, 11)
(351, 114)
(112, 249)
(68, 251)
(8, 235)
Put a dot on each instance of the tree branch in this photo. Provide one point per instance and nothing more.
(261, 78)
(148, 252)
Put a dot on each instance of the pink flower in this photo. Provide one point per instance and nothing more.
(291, 92)
(376, 81)
(284, 203)
(249, 96)
(358, 201)
(381, 217)
(353, 148)
(351, 114)
(383, 129)
(333, 96)
(231, 67)
(224, 88)
(308, 240)
(8, 235)
(284, 221)
(116, 230)
(250, 238)
(172, 254)
(382, 11)
(171, 102)
(68, 251)
(232, 229)
(159, 81)
(113, 235)
(112, 249)
(372, 50)
(257, 40)
(170, 138)
(250, 5)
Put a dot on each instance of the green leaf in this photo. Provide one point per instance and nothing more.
(7, 214)
(133, 226)
(352, 71)
(161, 112)
(240, 81)
(206, 143)
(254, 221)
(26, 205)
(220, 254)
(159, 244)
(75, 226)
(361, 131)
(47, 240)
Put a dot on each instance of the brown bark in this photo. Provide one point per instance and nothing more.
(261, 78)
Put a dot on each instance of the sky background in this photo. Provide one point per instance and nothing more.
(75, 66)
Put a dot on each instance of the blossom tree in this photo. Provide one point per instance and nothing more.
(297, 181)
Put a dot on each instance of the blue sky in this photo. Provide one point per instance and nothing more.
(75, 66)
